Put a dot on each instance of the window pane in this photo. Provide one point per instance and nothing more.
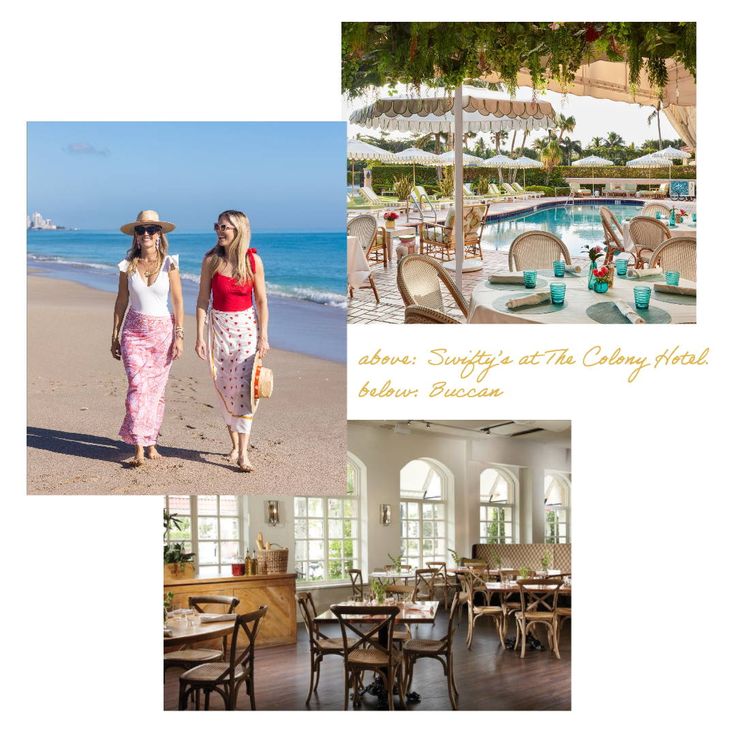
(208, 553)
(300, 529)
(179, 505)
(229, 528)
(335, 528)
(413, 529)
(229, 550)
(300, 506)
(300, 551)
(183, 532)
(207, 505)
(350, 507)
(315, 506)
(228, 506)
(334, 507)
(316, 529)
(316, 549)
(412, 510)
(207, 528)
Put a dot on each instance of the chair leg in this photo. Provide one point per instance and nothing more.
(389, 677)
(252, 690)
(451, 683)
(319, 669)
(553, 633)
(312, 666)
(522, 632)
(206, 699)
(373, 286)
(182, 696)
(400, 680)
(347, 688)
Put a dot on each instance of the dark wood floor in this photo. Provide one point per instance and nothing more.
(489, 677)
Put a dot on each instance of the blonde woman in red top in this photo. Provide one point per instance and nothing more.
(232, 275)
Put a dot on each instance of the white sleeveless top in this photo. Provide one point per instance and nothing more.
(152, 300)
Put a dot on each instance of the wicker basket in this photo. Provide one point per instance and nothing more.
(272, 560)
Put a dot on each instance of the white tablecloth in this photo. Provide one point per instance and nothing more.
(358, 268)
(578, 297)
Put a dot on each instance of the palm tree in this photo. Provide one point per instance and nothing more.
(651, 117)
(597, 142)
(565, 124)
(551, 157)
(569, 147)
(614, 140)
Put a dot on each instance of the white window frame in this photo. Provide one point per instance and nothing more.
(219, 569)
(565, 481)
(442, 502)
(487, 507)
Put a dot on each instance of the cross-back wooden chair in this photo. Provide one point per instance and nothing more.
(370, 647)
(473, 584)
(356, 584)
(441, 582)
(420, 279)
(537, 249)
(538, 607)
(439, 649)
(225, 678)
(189, 657)
(646, 234)
(424, 579)
(320, 645)
(677, 254)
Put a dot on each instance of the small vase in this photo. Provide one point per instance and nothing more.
(678, 219)
(600, 287)
(390, 224)
(591, 278)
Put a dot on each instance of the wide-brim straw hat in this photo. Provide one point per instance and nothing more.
(148, 217)
(261, 382)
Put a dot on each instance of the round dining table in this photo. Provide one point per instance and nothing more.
(202, 632)
(582, 305)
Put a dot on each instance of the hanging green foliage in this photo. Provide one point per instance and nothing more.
(446, 54)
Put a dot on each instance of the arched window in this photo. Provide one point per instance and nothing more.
(327, 533)
(497, 498)
(556, 508)
(423, 507)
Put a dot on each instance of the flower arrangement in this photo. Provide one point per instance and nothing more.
(378, 588)
(601, 274)
(594, 252)
(390, 216)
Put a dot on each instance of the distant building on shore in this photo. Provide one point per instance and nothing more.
(37, 221)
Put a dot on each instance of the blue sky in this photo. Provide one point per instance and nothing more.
(288, 177)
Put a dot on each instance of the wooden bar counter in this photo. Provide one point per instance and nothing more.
(277, 591)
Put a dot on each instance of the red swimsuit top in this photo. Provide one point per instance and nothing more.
(230, 296)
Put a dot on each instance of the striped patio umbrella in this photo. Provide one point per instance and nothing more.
(524, 163)
(417, 157)
(671, 154)
(362, 151)
(594, 162)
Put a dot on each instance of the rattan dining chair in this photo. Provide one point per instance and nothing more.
(189, 657)
(677, 254)
(536, 249)
(420, 279)
(646, 234)
(320, 645)
(613, 233)
(356, 584)
(225, 678)
(473, 584)
(439, 649)
(538, 607)
(365, 229)
(651, 209)
(372, 649)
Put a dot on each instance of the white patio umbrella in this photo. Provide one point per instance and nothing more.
(645, 162)
(457, 113)
(499, 161)
(593, 162)
(448, 159)
(524, 163)
(362, 151)
(671, 154)
(416, 157)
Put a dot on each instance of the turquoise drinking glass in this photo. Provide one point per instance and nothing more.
(672, 278)
(642, 295)
(558, 268)
(622, 266)
(530, 279)
(658, 215)
(693, 217)
(557, 292)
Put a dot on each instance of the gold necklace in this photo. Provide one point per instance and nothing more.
(148, 273)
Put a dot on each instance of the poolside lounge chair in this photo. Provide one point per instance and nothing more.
(650, 210)
(614, 190)
(629, 188)
(518, 188)
(511, 192)
(372, 198)
(646, 234)
(577, 191)
(537, 249)
(496, 192)
(676, 254)
(441, 238)
(419, 279)
(468, 193)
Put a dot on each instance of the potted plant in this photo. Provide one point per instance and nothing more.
(455, 557)
(390, 219)
(378, 588)
(396, 562)
(525, 572)
(497, 561)
(168, 602)
(546, 562)
(177, 561)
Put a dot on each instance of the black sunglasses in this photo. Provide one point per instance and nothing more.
(150, 229)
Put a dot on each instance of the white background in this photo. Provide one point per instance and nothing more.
(82, 576)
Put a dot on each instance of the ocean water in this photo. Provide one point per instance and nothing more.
(305, 277)
(575, 225)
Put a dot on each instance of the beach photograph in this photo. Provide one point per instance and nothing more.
(186, 308)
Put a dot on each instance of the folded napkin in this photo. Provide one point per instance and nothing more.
(210, 618)
(671, 289)
(638, 273)
(629, 313)
(541, 297)
(573, 269)
(506, 277)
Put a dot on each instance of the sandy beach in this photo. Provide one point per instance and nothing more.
(76, 400)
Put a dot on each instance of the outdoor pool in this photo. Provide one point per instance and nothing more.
(575, 225)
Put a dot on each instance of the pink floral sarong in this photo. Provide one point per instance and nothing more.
(233, 337)
(146, 349)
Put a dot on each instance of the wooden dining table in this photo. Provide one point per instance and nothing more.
(202, 632)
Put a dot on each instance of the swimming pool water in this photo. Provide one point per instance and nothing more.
(575, 225)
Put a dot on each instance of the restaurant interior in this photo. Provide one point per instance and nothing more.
(452, 543)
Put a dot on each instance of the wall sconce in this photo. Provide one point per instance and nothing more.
(386, 514)
(272, 513)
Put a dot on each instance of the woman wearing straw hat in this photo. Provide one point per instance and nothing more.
(150, 337)
(237, 335)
